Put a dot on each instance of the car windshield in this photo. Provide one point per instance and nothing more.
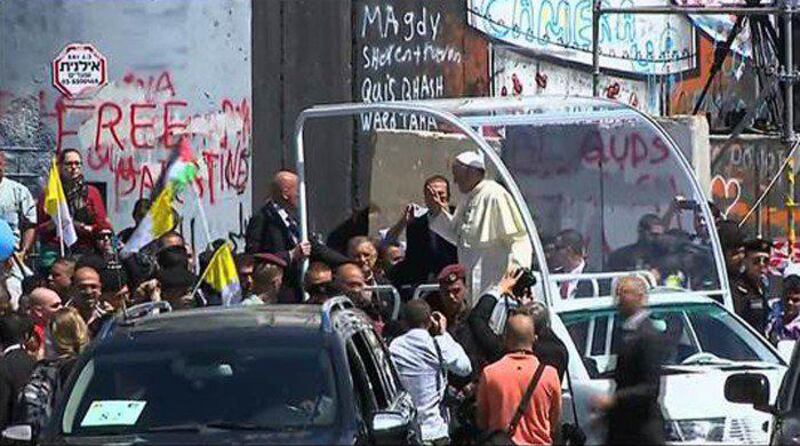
(697, 334)
(286, 387)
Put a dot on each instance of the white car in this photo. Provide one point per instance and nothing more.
(706, 344)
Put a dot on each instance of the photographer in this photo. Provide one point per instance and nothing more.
(488, 319)
(424, 356)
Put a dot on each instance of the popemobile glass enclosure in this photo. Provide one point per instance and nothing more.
(590, 165)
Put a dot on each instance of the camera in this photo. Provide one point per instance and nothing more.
(686, 204)
(524, 284)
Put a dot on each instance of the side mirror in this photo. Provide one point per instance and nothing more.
(389, 428)
(20, 433)
(785, 349)
(748, 388)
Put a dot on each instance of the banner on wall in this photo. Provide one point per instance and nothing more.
(630, 43)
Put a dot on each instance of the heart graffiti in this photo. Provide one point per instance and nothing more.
(728, 190)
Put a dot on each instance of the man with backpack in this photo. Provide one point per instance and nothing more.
(519, 398)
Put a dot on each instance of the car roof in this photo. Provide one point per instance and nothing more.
(229, 318)
(653, 300)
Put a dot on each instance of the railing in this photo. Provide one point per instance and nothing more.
(648, 277)
(395, 296)
(424, 288)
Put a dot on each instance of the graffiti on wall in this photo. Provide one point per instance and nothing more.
(518, 75)
(127, 132)
(640, 44)
(741, 174)
(412, 50)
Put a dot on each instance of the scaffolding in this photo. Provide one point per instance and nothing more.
(787, 77)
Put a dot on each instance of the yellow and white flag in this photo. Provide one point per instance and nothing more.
(221, 275)
(159, 220)
(55, 204)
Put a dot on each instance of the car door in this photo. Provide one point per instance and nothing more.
(578, 388)
(388, 392)
(365, 398)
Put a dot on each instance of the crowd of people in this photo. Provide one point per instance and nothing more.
(766, 298)
(54, 303)
(477, 354)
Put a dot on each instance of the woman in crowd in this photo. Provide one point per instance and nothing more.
(70, 335)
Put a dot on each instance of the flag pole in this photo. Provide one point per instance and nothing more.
(202, 213)
(60, 229)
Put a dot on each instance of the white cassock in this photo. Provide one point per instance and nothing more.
(488, 230)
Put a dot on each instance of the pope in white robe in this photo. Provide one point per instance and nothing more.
(486, 227)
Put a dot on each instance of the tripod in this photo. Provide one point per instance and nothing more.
(766, 48)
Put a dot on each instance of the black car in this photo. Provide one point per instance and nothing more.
(753, 388)
(273, 374)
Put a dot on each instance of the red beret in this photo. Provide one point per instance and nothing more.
(451, 273)
(266, 257)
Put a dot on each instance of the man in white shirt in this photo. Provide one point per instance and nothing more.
(18, 209)
(423, 360)
(487, 227)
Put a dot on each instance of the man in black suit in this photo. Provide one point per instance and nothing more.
(275, 230)
(16, 365)
(570, 258)
(634, 415)
(427, 253)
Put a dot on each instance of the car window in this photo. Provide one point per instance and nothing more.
(692, 334)
(373, 370)
(384, 362)
(722, 335)
(199, 384)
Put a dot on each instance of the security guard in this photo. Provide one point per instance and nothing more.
(749, 286)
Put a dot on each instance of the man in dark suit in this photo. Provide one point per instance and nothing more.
(16, 365)
(633, 412)
(427, 253)
(570, 258)
(275, 230)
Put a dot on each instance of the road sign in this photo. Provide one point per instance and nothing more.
(79, 69)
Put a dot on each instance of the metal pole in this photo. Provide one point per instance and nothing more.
(694, 10)
(788, 124)
(596, 13)
(302, 203)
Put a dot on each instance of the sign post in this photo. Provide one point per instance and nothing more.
(79, 69)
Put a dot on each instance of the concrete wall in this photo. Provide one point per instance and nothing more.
(690, 133)
(181, 66)
(741, 171)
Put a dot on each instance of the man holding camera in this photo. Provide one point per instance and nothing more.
(487, 320)
(424, 356)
